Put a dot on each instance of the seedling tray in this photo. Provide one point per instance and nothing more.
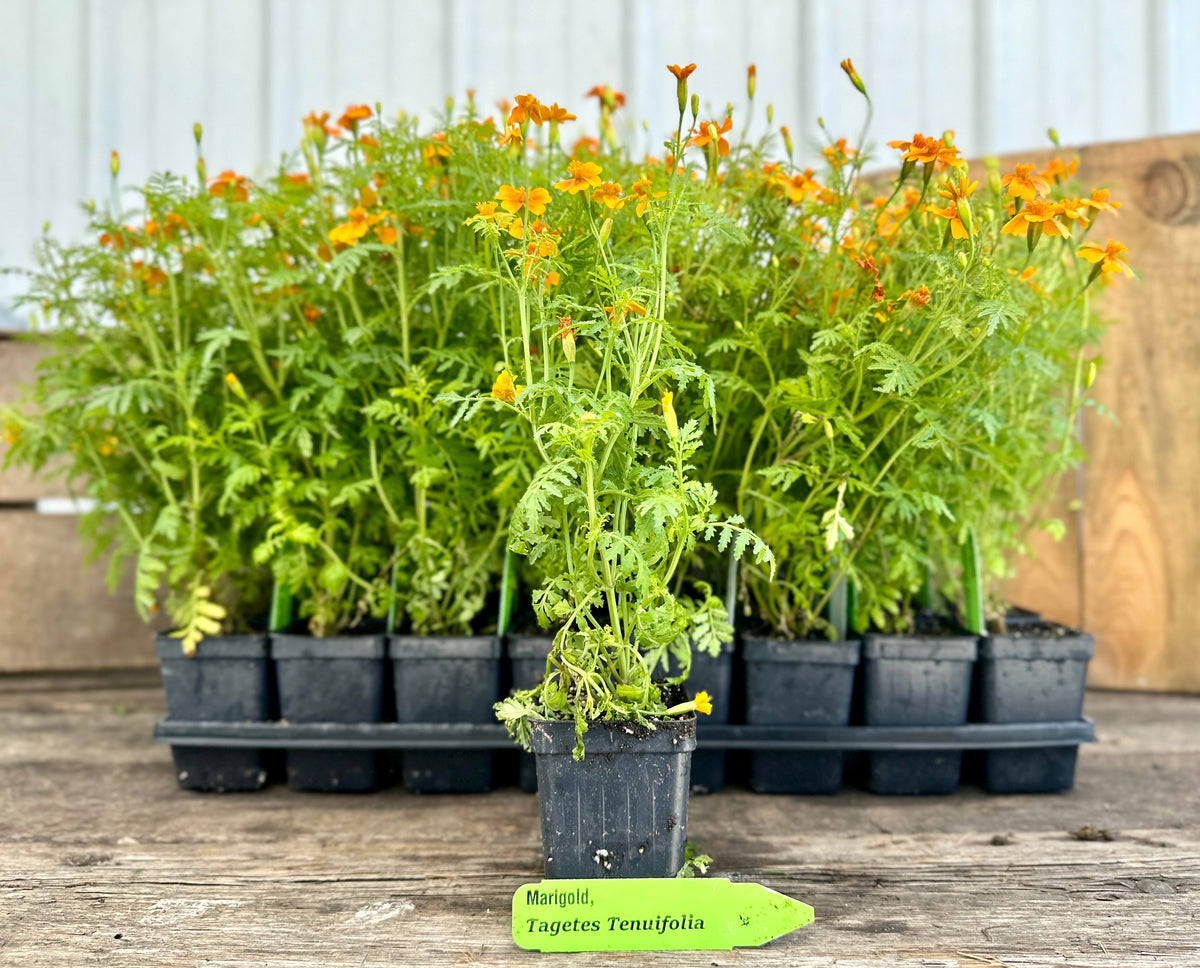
(480, 736)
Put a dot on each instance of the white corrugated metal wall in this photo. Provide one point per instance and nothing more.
(81, 77)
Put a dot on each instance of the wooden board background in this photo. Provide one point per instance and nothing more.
(1128, 570)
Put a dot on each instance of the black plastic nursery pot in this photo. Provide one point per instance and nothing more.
(446, 680)
(1037, 675)
(227, 680)
(527, 665)
(916, 681)
(798, 683)
(338, 679)
(712, 674)
(621, 811)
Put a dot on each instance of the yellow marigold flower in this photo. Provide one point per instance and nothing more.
(504, 388)
(109, 446)
(11, 432)
(703, 703)
(1075, 209)
(609, 194)
(963, 190)
(511, 136)
(1039, 214)
(235, 385)
(669, 417)
(1107, 258)
(584, 175)
(511, 199)
(557, 115)
(1023, 183)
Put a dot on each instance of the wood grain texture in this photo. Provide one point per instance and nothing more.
(1135, 546)
(103, 860)
(55, 612)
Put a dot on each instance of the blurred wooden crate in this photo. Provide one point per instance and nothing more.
(1129, 569)
(57, 612)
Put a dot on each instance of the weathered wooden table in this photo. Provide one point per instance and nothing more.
(104, 861)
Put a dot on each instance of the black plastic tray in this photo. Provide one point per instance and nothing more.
(389, 736)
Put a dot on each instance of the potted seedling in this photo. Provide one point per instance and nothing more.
(610, 512)
(133, 407)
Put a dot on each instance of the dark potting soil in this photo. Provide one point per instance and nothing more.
(1040, 630)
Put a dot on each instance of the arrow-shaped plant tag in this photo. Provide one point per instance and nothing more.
(652, 914)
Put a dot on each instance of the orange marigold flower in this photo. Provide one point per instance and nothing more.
(921, 149)
(681, 73)
(950, 212)
(368, 142)
(609, 194)
(583, 175)
(312, 313)
(839, 152)
(1038, 214)
(297, 178)
(1074, 209)
(314, 122)
(557, 115)
(585, 145)
(1058, 170)
(706, 133)
(962, 190)
(527, 108)
(353, 114)
(154, 277)
(511, 136)
(916, 297)
(609, 99)
(11, 432)
(1023, 183)
(505, 389)
(229, 185)
(1107, 258)
(1100, 202)
(641, 191)
(386, 234)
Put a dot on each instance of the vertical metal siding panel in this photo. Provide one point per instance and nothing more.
(235, 133)
(360, 46)
(1067, 86)
(419, 77)
(102, 33)
(301, 67)
(58, 157)
(16, 158)
(133, 81)
(1119, 99)
(178, 41)
(894, 77)
(596, 45)
(1014, 76)
(948, 83)
(770, 42)
(1180, 66)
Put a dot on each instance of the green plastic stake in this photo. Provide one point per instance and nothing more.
(508, 592)
(839, 603)
(391, 615)
(281, 607)
(651, 914)
(972, 585)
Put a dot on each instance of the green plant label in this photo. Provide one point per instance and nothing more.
(651, 914)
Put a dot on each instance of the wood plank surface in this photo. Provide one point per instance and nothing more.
(103, 860)
(1137, 542)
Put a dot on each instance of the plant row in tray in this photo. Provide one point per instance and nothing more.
(783, 688)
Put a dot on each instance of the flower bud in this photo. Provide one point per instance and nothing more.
(787, 141)
(449, 106)
(829, 429)
(712, 132)
(770, 114)
(606, 231)
(235, 385)
(201, 171)
(962, 259)
(197, 132)
(848, 66)
(114, 163)
(669, 417)
(695, 107)
(948, 137)
(964, 215)
(1091, 375)
(1052, 134)
(566, 332)
(751, 81)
